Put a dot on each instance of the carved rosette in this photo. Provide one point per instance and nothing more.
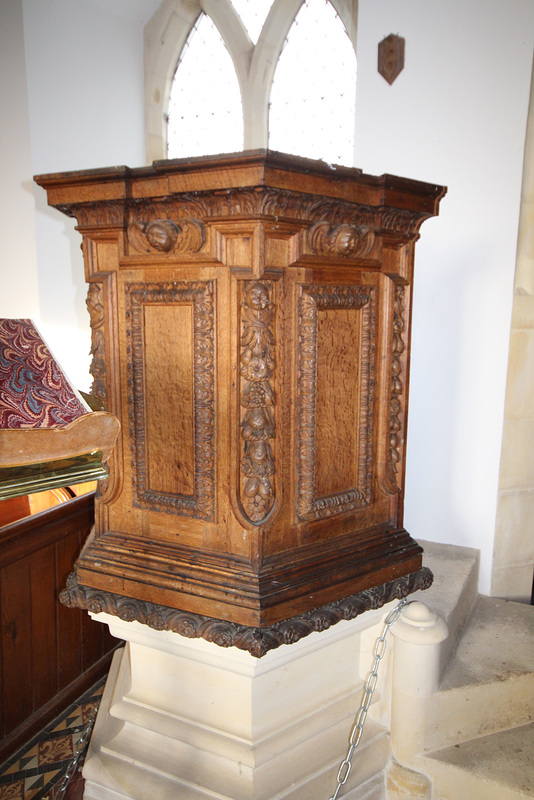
(166, 236)
(396, 398)
(312, 299)
(201, 295)
(256, 641)
(257, 399)
(95, 306)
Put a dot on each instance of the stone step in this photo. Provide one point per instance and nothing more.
(488, 685)
(496, 767)
(140, 773)
(454, 590)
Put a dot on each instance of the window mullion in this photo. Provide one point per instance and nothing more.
(261, 72)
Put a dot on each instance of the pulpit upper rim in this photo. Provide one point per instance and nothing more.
(251, 168)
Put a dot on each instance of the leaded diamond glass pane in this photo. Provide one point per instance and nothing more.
(313, 94)
(205, 114)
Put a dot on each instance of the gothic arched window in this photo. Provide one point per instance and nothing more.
(204, 113)
(223, 75)
(313, 93)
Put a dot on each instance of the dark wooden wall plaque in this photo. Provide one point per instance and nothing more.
(251, 330)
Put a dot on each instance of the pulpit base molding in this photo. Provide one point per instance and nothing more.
(256, 641)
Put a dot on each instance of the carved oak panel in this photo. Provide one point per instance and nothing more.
(336, 351)
(170, 327)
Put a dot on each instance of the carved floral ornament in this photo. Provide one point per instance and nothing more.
(257, 399)
(95, 306)
(397, 389)
(173, 224)
(256, 641)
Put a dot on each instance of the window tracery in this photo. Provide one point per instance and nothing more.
(260, 41)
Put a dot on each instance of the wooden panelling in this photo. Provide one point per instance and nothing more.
(335, 397)
(16, 644)
(44, 636)
(68, 626)
(172, 395)
(49, 654)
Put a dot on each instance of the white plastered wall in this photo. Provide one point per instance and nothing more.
(456, 116)
(74, 100)
(18, 260)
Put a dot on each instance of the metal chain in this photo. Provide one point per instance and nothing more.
(370, 686)
(58, 792)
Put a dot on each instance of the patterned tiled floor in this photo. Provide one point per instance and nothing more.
(35, 771)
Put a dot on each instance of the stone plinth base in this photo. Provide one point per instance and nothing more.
(188, 719)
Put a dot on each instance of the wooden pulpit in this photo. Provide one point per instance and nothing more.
(250, 321)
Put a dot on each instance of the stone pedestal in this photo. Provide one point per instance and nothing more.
(185, 718)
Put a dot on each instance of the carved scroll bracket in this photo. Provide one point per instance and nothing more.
(402, 223)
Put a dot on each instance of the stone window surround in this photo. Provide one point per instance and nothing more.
(167, 32)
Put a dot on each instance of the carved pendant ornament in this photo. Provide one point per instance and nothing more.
(395, 427)
(97, 369)
(257, 400)
(166, 236)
